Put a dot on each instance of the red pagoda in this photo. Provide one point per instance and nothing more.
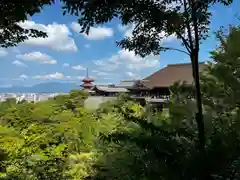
(87, 83)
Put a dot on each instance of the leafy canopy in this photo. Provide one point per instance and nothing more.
(153, 20)
(53, 139)
(13, 12)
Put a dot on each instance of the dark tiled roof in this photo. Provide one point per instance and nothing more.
(171, 74)
(127, 83)
(87, 79)
(87, 85)
(110, 89)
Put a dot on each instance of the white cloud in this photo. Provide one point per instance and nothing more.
(66, 65)
(59, 36)
(95, 33)
(3, 52)
(128, 30)
(101, 73)
(106, 65)
(78, 67)
(79, 77)
(121, 28)
(19, 63)
(50, 62)
(166, 38)
(23, 76)
(56, 75)
(132, 75)
(128, 60)
(74, 78)
(37, 56)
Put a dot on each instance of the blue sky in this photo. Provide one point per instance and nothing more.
(65, 54)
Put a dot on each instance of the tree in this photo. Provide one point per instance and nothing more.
(52, 139)
(220, 87)
(221, 90)
(187, 19)
(11, 14)
(73, 100)
(154, 19)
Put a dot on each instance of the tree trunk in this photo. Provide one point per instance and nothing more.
(199, 113)
(203, 172)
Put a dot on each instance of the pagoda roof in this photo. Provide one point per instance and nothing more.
(167, 76)
(88, 79)
(87, 85)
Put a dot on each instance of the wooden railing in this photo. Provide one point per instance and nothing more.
(156, 99)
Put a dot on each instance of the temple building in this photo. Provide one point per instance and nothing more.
(87, 84)
(153, 89)
(108, 90)
(157, 84)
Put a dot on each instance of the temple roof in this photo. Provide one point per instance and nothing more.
(127, 83)
(110, 89)
(169, 75)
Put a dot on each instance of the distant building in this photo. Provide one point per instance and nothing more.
(153, 89)
(87, 83)
(108, 90)
(167, 76)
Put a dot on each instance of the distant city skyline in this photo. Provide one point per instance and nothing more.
(48, 87)
(30, 97)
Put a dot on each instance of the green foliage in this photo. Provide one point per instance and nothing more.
(160, 148)
(74, 100)
(222, 89)
(60, 139)
(153, 21)
(150, 17)
(14, 12)
(51, 140)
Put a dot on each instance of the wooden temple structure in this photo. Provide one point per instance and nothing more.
(153, 89)
(87, 83)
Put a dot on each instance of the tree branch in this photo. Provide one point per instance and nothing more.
(184, 42)
(188, 24)
(175, 49)
(195, 24)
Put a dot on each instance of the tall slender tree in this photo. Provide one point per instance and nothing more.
(188, 20)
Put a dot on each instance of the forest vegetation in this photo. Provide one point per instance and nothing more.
(60, 139)
(197, 139)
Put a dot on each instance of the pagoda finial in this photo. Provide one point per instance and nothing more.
(87, 72)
